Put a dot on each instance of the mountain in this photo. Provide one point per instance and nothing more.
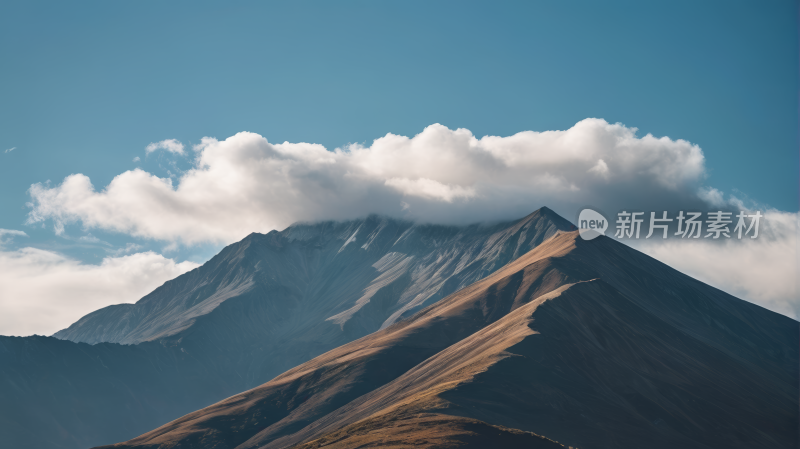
(586, 344)
(356, 276)
(260, 307)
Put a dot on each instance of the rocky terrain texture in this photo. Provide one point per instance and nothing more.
(586, 344)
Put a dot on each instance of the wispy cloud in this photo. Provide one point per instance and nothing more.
(91, 239)
(129, 248)
(4, 232)
(171, 145)
(136, 159)
(6, 235)
(10, 150)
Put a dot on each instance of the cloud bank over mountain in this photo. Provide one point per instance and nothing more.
(244, 184)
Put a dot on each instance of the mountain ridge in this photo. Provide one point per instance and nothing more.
(94, 394)
(177, 304)
(667, 351)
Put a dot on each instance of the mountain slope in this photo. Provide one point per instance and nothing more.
(259, 308)
(591, 344)
(357, 275)
(430, 430)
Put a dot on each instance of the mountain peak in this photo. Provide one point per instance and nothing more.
(588, 343)
(346, 264)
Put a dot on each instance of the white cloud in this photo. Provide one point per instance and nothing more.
(171, 145)
(136, 159)
(12, 232)
(6, 235)
(129, 248)
(43, 292)
(10, 150)
(712, 196)
(762, 270)
(90, 239)
(430, 189)
(245, 184)
(601, 169)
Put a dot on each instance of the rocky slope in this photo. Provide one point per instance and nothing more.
(590, 344)
(357, 276)
(259, 308)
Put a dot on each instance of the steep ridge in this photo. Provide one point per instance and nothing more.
(591, 344)
(259, 308)
(357, 275)
(616, 391)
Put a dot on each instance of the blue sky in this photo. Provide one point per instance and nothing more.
(86, 87)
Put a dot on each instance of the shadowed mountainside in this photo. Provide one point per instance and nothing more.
(356, 276)
(257, 309)
(591, 344)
